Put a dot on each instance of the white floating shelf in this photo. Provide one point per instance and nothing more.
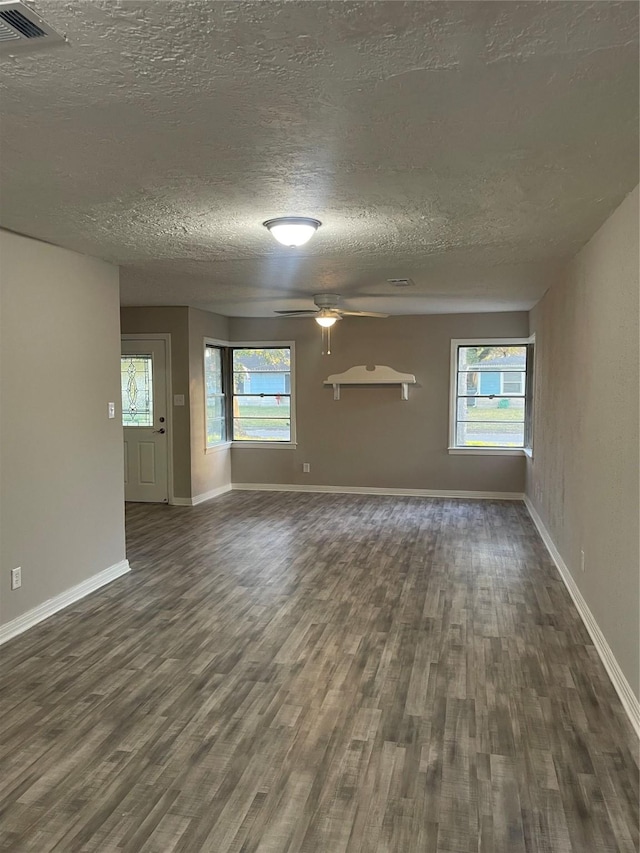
(378, 375)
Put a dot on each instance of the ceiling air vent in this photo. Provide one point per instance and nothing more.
(22, 29)
(401, 282)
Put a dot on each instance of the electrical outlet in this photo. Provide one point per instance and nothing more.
(306, 468)
(16, 578)
(582, 561)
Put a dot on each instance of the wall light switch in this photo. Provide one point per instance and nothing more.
(112, 410)
(178, 399)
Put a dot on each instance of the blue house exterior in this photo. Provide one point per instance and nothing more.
(489, 383)
(267, 383)
(510, 380)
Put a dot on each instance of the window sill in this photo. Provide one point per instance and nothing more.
(487, 451)
(528, 451)
(266, 445)
(216, 448)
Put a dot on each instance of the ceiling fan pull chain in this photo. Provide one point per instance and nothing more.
(326, 331)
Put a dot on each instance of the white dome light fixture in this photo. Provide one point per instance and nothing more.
(292, 231)
(325, 322)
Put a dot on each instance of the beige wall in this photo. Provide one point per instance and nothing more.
(583, 480)
(370, 437)
(209, 470)
(62, 494)
(173, 320)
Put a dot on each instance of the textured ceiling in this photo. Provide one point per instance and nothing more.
(471, 146)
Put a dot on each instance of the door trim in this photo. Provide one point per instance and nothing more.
(166, 337)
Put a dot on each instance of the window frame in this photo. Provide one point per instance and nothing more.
(290, 345)
(227, 347)
(527, 449)
(223, 347)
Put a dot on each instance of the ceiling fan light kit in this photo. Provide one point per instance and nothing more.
(292, 231)
(326, 313)
(326, 322)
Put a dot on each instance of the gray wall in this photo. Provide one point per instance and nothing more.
(370, 437)
(62, 493)
(209, 469)
(173, 320)
(583, 480)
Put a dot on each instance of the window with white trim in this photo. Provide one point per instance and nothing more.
(215, 397)
(262, 404)
(491, 395)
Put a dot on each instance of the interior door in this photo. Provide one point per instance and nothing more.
(143, 379)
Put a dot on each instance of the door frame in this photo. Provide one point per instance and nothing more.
(166, 337)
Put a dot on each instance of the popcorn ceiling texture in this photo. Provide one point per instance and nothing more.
(470, 146)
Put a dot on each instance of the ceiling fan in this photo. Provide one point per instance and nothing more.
(327, 312)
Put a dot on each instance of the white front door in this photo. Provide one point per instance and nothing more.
(143, 379)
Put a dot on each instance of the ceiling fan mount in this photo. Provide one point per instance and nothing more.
(326, 300)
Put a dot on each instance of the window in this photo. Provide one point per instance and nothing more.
(512, 383)
(215, 401)
(136, 385)
(491, 399)
(261, 394)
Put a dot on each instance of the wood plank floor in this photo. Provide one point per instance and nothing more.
(314, 672)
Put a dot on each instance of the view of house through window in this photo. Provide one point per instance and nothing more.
(215, 396)
(490, 399)
(248, 393)
(261, 394)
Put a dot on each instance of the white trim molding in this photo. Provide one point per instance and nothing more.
(630, 702)
(205, 496)
(216, 448)
(265, 445)
(485, 451)
(376, 490)
(59, 602)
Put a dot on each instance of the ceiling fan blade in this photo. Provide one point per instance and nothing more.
(297, 313)
(363, 314)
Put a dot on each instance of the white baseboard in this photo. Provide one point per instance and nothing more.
(376, 490)
(69, 596)
(213, 493)
(628, 698)
(199, 499)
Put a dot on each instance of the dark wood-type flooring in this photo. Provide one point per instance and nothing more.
(314, 672)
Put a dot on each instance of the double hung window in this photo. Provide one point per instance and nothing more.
(491, 394)
(249, 394)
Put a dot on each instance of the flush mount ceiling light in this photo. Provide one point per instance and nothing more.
(292, 231)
